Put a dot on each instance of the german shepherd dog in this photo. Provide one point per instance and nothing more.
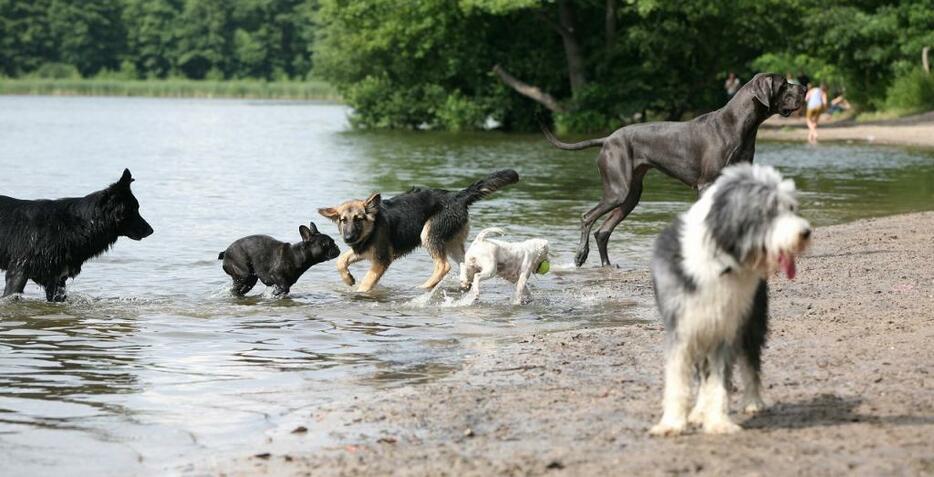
(47, 241)
(383, 230)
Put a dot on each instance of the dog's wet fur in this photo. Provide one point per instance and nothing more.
(277, 264)
(47, 241)
(709, 271)
(383, 230)
(514, 262)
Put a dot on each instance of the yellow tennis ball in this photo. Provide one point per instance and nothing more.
(543, 267)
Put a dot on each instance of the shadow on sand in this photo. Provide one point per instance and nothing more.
(825, 410)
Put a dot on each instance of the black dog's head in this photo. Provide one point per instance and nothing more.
(355, 219)
(315, 247)
(125, 209)
(777, 94)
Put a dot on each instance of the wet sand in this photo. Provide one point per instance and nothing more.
(915, 131)
(848, 380)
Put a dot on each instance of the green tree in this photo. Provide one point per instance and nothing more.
(26, 39)
(205, 39)
(152, 39)
(88, 34)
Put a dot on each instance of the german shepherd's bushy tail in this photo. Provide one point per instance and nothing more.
(485, 187)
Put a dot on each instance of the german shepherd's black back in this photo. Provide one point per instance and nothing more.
(47, 241)
(381, 231)
(406, 214)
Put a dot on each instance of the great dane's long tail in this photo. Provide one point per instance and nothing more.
(569, 146)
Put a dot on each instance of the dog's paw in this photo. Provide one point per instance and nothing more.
(722, 426)
(348, 280)
(666, 430)
(696, 417)
(580, 257)
(752, 407)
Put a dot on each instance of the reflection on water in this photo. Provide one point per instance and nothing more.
(151, 364)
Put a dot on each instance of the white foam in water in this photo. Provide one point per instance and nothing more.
(438, 296)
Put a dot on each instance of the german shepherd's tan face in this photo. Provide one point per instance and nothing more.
(355, 219)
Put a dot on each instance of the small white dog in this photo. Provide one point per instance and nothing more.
(514, 262)
(709, 271)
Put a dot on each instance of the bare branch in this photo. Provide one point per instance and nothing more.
(554, 26)
(528, 90)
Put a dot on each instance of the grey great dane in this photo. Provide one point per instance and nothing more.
(692, 151)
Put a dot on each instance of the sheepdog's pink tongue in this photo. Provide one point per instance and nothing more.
(787, 263)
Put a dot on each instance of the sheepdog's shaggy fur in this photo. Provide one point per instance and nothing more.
(513, 261)
(709, 271)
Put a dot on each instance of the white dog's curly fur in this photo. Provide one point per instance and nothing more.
(514, 262)
(709, 271)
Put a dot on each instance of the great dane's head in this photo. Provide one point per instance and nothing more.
(777, 95)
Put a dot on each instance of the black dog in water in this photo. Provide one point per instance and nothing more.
(47, 241)
(261, 257)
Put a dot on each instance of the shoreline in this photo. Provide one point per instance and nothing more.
(847, 377)
(313, 90)
(909, 131)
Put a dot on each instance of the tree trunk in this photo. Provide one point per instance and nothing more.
(924, 59)
(528, 90)
(610, 23)
(572, 48)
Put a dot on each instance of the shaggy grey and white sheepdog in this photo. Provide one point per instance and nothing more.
(709, 271)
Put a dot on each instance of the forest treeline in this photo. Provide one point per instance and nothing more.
(197, 39)
(466, 64)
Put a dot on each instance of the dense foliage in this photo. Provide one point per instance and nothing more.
(596, 64)
(464, 64)
(215, 39)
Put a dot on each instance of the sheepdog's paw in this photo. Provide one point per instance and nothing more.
(696, 417)
(722, 426)
(664, 429)
(753, 406)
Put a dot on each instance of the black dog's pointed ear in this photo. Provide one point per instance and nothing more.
(313, 228)
(126, 178)
(372, 203)
(762, 89)
(330, 213)
(305, 232)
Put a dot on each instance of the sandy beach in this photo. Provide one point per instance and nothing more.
(847, 375)
(915, 131)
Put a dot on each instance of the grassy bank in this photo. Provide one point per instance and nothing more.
(171, 88)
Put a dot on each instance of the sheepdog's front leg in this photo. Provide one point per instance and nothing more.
(716, 418)
(677, 396)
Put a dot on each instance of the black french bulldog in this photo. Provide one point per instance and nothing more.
(275, 263)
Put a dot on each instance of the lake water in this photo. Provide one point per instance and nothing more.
(151, 365)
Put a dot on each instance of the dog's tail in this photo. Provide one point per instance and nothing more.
(485, 187)
(569, 146)
(220, 256)
(487, 232)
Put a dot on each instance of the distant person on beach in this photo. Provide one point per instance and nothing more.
(838, 105)
(731, 86)
(817, 103)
